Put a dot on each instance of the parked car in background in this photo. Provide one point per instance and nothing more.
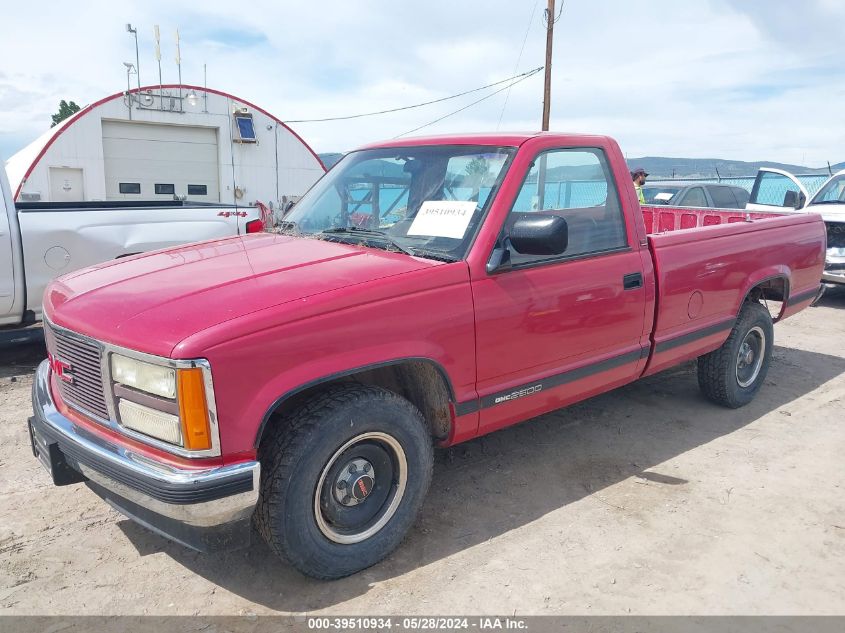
(680, 194)
(778, 191)
(42, 240)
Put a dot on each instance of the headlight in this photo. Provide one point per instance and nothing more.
(154, 379)
(164, 403)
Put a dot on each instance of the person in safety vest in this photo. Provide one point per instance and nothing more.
(638, 176)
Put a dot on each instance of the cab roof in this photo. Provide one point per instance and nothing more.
(495, 139)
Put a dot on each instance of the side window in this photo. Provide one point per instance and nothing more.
(575, 184)
(694, 198)
(775, 190)
(723, 197)
(741, 196)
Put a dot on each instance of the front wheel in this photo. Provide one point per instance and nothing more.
(343, 480)
(733, 374)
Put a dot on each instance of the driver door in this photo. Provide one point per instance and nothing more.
(551, 329)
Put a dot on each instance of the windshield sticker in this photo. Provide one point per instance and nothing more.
(443, 218)
(664, 196)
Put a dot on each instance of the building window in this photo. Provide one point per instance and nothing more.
(197, 190)
(245, 127)
(130, 187)
(165, 189)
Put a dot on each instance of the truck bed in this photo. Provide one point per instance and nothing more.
(703, 276)
(663, 219)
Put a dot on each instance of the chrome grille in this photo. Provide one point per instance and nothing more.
(835, 234)
(83, 355)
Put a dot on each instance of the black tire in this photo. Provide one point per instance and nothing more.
(308, 523)
(730, 376)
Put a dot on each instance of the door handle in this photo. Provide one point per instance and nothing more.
(632, 281)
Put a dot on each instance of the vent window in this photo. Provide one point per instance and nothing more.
(165, 189)
(197, 190)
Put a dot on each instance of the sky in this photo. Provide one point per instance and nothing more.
(733, 79)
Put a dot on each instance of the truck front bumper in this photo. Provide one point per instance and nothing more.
(834, 275)
(207, 509)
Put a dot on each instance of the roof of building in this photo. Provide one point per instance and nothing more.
(21, 164)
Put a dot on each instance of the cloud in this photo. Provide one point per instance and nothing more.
(742, 79)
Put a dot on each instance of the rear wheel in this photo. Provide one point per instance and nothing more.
(343, 480)
(733, 374)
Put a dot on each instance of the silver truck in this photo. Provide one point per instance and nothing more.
(778, 191)
(42, 240)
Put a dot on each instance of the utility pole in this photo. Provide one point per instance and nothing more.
(547, 90)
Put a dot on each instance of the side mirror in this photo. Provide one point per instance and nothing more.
(539, 234)
(802, 200)
(287, 207)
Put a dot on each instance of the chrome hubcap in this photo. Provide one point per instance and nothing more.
(749, 360)
(360, 488)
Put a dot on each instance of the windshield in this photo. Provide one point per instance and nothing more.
(656, 194)
(832, 193)
(426, 201)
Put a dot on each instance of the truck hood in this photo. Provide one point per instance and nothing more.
(151, 302)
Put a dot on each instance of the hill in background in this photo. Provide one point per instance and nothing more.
(660, 167)
(330, 158)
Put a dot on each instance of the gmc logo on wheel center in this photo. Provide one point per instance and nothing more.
(61, 368)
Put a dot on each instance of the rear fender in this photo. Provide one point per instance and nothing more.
(771, 273)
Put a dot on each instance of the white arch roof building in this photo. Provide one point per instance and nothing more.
(160, 142)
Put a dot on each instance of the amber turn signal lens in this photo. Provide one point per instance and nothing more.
(193, 410)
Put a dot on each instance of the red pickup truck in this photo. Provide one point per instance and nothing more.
(423, 293)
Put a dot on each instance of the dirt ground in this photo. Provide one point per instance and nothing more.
(647, 500)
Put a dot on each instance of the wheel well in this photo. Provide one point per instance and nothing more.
(774, 289)
(421, 382)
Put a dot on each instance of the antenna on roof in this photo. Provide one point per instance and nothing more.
(718, 175)
(179, 66)
(829, 169)
(134, 31)
(158, 58)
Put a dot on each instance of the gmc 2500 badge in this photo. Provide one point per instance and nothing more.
(528, 391)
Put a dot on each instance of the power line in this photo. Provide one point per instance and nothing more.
(518, 59)
(524, 75)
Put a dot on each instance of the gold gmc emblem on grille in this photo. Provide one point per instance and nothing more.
(61, 368)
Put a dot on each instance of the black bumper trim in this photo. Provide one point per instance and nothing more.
(166, 492)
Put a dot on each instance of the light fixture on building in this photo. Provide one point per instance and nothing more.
(192, 98)
(130, 70)
(147, 98)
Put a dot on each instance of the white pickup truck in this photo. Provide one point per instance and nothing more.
(42, 240)
(778, 191)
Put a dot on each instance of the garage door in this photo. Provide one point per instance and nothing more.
(145, 161)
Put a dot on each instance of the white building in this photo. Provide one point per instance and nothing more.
(149, 144)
